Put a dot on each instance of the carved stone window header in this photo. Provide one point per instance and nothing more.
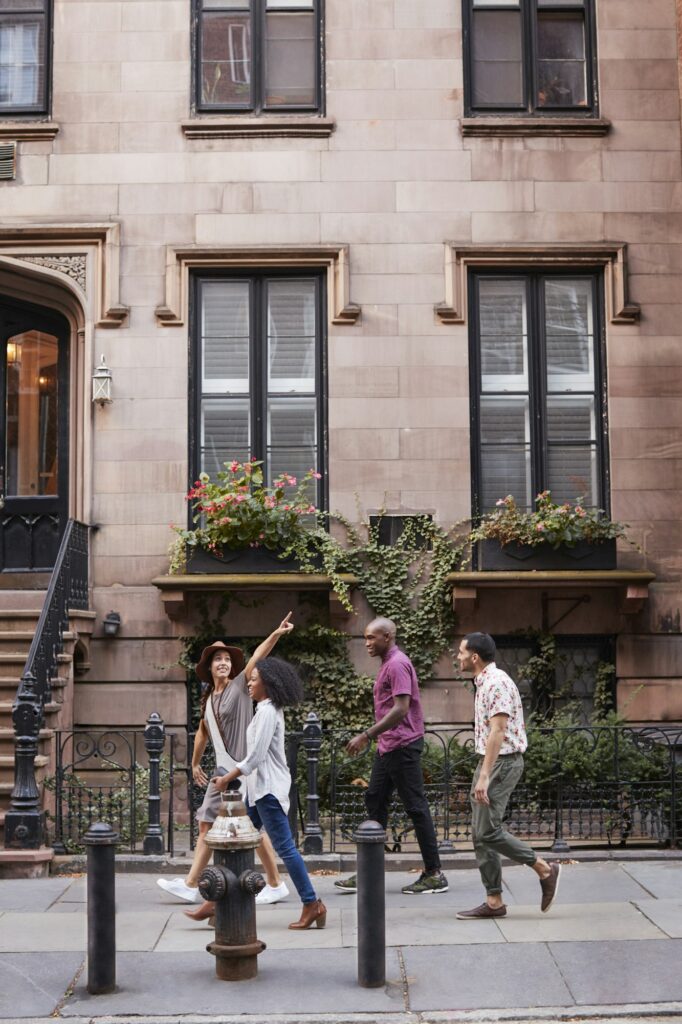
(179, 262)
(610, 255)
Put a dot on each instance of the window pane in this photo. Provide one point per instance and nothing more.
(273, 5)
(22, 62)
(290, 60)
(291, 335)
(23, 5)
(504, 334)
(497, 58)
(505, 450)
(504, 420)
(224, 433)
(572, 473)
(496, 3)
(561, 60)
(570, 418)
(31, 453)
(226, 59)
(569, 328)
(237, 5)
(225, 335)
(292, 437)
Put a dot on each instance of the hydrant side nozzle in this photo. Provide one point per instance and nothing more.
(252, 882)
(215, 882)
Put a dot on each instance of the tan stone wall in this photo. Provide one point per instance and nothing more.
(394, 181)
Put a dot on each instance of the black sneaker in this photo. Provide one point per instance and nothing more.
(427, 884)
(347, 884)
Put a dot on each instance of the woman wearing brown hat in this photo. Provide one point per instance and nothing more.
(226, 712)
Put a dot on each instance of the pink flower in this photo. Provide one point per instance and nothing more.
(315, 475)
(579, 511)
(500, 501)
(234, 466)
(540, 526)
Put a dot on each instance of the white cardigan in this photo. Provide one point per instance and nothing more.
(265, 765)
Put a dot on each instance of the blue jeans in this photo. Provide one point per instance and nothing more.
(268, 814)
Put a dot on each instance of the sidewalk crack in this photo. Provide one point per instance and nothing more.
(69, 991)
(561, 973)
(637, 882)
(404, 979)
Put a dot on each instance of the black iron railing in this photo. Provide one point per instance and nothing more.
(593, 786)
(68, 589)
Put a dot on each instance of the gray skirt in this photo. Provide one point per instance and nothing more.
(210, 805)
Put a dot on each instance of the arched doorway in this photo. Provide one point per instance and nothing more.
(34, 434)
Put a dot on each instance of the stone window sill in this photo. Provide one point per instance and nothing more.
(257, 127)
(520, 126)
(28, 131)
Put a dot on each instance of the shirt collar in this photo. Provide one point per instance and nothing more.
(390, 653)
(482, 676)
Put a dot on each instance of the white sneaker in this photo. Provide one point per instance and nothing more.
(177, 887)
(273, 893)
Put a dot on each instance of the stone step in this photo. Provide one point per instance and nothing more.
(22, 635)
(40, 761)
(7, 739)
(20, 659)
(6, 708)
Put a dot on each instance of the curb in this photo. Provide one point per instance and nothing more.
(339, 863)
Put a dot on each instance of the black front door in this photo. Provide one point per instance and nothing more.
(34, 435)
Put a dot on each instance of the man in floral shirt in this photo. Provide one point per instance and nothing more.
(500, 740)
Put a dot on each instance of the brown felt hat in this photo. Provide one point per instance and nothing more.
(203, 669)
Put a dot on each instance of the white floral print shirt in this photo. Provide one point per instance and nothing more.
(497, 694)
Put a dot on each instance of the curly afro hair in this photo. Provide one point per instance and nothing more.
(281, 681)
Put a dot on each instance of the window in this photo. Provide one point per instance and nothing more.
(537, 416)
(530, 56)
(573, 666)
(259, 373)
(24, 53)
(258, 55)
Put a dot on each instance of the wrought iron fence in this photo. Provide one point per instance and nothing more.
(598, 785)
(68, 589)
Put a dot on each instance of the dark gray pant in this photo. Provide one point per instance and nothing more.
(490, 837)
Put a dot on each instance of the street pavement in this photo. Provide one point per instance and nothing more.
(611, 946)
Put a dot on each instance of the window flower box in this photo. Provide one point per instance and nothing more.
(514, 557)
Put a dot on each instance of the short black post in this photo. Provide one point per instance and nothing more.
(312, 741)
(154, 740)
(25, 821)
(101, 841)
(370, 838)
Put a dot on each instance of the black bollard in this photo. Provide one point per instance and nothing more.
(370, 838)
(101, 841)
(154, 740)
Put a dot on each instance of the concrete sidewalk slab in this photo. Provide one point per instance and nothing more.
(26, 933)
(16, 895)
(665, 914)
(478, 977)
(287, 982)
(621, 972)
(603, 883)
(33, 984)
(659, 879)
(181, 934)
(564, 923)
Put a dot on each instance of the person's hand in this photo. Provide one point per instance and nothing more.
(221, 782)
(285, 626)
(357, 744)
(199, 775)
(481, 788)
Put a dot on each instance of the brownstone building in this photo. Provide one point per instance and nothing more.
(432, 248)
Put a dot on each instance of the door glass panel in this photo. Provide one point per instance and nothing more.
(31, 452)
(572, 473)
(504, 335)
(225, 336)
(224, 433)
(569, 330)
(505, 450)
(292, 432)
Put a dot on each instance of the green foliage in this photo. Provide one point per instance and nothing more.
(556, 525)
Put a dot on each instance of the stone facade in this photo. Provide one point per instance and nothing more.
(393, 183)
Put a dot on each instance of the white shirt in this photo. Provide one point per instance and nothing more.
(265, 765)
(498, 694)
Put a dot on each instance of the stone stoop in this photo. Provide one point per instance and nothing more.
(17, 629)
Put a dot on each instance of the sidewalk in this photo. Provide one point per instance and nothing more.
(612, 944)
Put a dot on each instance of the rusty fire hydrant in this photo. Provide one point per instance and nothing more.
(233, 884)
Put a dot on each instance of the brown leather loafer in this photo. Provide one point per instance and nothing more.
(550, 887)
(482, 912)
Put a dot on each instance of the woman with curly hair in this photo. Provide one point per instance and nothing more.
(274, 685)
(226, 711)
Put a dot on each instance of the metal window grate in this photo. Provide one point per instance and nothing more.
(8, 162)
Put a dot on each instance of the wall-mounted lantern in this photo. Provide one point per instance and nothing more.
(111, 624)
(101, 384)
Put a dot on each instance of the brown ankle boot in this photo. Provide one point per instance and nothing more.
(202, 913)
(312, 913)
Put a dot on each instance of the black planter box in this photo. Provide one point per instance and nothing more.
(246, 560)
(526, 558)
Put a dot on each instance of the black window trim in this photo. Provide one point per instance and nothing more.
(529, 51)
(256, 107)
(258, 394)
(537, 377)
(44, 108)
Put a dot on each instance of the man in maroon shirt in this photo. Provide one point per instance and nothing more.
(399, 729)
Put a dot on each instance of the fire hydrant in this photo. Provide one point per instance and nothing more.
(233, 884)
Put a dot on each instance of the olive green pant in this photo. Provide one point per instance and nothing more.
(490, 837)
